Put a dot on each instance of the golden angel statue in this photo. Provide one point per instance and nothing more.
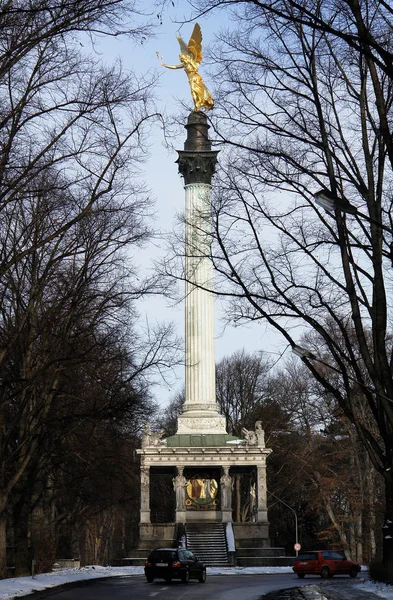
(190, 58)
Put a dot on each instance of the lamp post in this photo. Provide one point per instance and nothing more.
(294, 512)
(330, 202)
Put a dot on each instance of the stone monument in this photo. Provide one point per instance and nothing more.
(203, 460)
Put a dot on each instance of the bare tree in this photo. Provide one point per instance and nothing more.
(364, 27)
(72, 207)
(242, 386)
(320, 468)
(73, 365)
(167, 421)
(300, 109)
(63, 115)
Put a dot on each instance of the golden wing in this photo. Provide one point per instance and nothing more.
(195, 44)
(182, 44)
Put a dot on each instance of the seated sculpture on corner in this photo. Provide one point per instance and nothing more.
(255, 438)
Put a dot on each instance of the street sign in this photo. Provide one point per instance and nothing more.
(297, 547)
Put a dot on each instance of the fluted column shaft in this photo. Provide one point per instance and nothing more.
(197, 164)
(199, 302)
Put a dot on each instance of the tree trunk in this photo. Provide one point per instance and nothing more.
(359, 537)
(352, 540)
(3, 546)
(388, 526)
(370, 516)
(340, 530)
(21, 543)
(82, 547)
(372, 524)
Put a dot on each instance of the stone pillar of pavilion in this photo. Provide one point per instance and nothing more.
(145, 494)
(197, 165)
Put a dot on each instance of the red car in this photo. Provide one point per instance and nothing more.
(324, 563)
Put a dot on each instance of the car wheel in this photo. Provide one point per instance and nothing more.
(353, 572)
(325, 572)
(202, 577)
(301, 575)
(150, 579)
(185, 577)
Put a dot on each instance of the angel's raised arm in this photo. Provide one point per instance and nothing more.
(173, 66)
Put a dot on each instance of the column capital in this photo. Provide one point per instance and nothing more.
(197, 167)
(197, 162)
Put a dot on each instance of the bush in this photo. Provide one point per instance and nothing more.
(45, 553)
(378, 572)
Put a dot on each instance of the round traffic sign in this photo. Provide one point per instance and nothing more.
(297, 547)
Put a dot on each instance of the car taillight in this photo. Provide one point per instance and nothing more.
(176, 564)
(147, 564)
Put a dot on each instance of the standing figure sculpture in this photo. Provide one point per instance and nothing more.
(190, 58)
(179, 485)
(226, 489)
(260, 434)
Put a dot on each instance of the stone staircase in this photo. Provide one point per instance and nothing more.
(208, 542)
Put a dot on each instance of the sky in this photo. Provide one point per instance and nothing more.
(22, 586)
(161, 175)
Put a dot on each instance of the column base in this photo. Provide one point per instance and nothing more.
(203, 422)
(145, 516)
(262, 516)
(227, 515)
(180, 516)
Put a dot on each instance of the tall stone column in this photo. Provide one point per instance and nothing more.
(145, 495)
(197, 164)
(261, 494)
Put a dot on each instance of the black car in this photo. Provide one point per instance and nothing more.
(172, 563)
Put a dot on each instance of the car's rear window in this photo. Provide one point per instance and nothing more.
(162, 555)
(332, 556)
(186, 555)
(308, 556)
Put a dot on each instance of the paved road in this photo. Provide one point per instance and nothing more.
(234, 587)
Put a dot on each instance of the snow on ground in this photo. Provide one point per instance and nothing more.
(382, 590)
(22, 586)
